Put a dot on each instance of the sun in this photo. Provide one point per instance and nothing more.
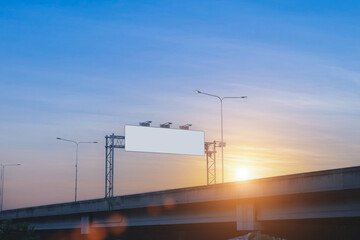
(242, 173)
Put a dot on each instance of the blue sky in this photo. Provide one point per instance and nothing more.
(83, 69)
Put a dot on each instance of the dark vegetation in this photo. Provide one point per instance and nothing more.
(16, 231)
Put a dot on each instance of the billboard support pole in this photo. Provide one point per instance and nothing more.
(210, 151)
(111, 142)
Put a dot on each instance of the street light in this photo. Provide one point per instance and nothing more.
(222, 132)
(3, 179)
(76, 163)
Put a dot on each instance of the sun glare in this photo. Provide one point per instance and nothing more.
(242, 173)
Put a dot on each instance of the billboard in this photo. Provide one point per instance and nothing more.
(163, 140)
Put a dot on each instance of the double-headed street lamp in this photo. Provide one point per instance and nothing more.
(222, 131)
(76, 163)
(3, 179)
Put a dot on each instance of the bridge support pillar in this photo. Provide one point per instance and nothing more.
(85, 225)
(246, 217)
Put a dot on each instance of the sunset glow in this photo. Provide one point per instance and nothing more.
(82, 70)
(242, 173)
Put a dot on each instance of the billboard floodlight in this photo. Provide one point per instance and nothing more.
(166, 125)
(186, 126)
(145, 124)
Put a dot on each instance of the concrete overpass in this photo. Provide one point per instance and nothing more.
(324, 199)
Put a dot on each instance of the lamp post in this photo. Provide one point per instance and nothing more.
(222, 126)
(76, 162)
(3, 179)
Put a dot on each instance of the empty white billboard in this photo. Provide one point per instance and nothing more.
(163, 140)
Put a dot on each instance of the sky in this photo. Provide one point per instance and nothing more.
(83, 69)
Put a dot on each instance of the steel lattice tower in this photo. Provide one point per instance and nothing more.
(113, 141)
(210, 151)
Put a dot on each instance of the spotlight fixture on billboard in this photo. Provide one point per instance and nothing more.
(186, 126)
(145, 124)
(166, 125)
